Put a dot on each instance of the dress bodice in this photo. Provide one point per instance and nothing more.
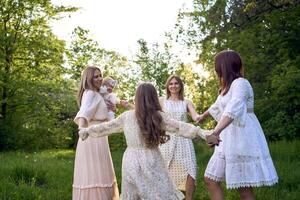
(93, 107)
(236, 103)
(176, 109)
(237, 91)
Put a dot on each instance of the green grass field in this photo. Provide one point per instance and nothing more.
(47, 175)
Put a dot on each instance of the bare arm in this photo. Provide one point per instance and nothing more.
(203, 116)
(222, 124)
(192, 111)
(82, 123)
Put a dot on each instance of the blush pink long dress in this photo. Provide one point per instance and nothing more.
(94, 175)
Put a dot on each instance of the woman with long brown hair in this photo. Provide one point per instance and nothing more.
(178, 153)
(94, 176)
(144, 175)
(242, 158)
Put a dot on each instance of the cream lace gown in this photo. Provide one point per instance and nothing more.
(94, 176)
(178, 153)
(144, 175)
(243, 157)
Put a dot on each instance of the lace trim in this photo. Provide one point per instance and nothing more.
(236, 120)
(213, 177)
(215, 113)
(253, 184)
(177, 196)
(93, 186)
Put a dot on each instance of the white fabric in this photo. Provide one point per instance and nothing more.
(93, 107)
(178, 153)
(94, 175)
(144, 175)
(243, 157)
(111, 97)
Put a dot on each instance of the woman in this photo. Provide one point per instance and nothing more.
(94, 176)
(179, 153)
(242, 158)
(144, 175)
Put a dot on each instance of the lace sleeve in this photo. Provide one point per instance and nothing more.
(107, 128)
(215, 111)
(236, 108)
(183, 129)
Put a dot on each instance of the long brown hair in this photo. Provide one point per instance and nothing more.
(86, 82)
(149, 119)
(178, 79)
(228, 65)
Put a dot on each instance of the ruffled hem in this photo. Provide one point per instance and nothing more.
(94, 185)
(213, 177)
(253, 184)
(128, 196)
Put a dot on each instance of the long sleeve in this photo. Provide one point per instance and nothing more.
(89, 104)
(183, 129)
(214, 111)
(236, 108)
(106, 128)
(113, 98)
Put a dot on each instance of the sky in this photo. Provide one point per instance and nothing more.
(118, 24)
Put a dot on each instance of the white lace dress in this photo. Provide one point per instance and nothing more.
(243, 157)
(144, 175)
(179, 154)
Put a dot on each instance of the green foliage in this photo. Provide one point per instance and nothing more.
(55, 169)
(33, 91)
(265, 33)
(25, 174)
(84, 51)
(154, 64)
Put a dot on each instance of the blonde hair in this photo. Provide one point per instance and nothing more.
(86, 82)
(110, 81)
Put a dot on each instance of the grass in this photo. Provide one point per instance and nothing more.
(47, 175)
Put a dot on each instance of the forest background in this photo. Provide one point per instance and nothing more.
(39, 73)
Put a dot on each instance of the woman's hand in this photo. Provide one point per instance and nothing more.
(110, 106)
(200, 119)
(83, 133)
(212, 140)
(124, 103)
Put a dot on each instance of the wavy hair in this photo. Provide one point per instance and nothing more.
(149, 119)
(86, 82)
(178, 79)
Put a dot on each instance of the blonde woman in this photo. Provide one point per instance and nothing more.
(94, 176)
(144, 175)
(179, 153)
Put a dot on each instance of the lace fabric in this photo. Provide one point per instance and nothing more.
(242, 158)
(143, 169)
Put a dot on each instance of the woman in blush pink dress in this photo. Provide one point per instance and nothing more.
(94, 176)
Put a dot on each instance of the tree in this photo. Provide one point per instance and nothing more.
(265, 33)
(31, 72)
(154, 64)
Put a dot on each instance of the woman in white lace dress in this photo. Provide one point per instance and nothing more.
(242, 158)
(144, 175)
(94, 175)
(178, 153)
